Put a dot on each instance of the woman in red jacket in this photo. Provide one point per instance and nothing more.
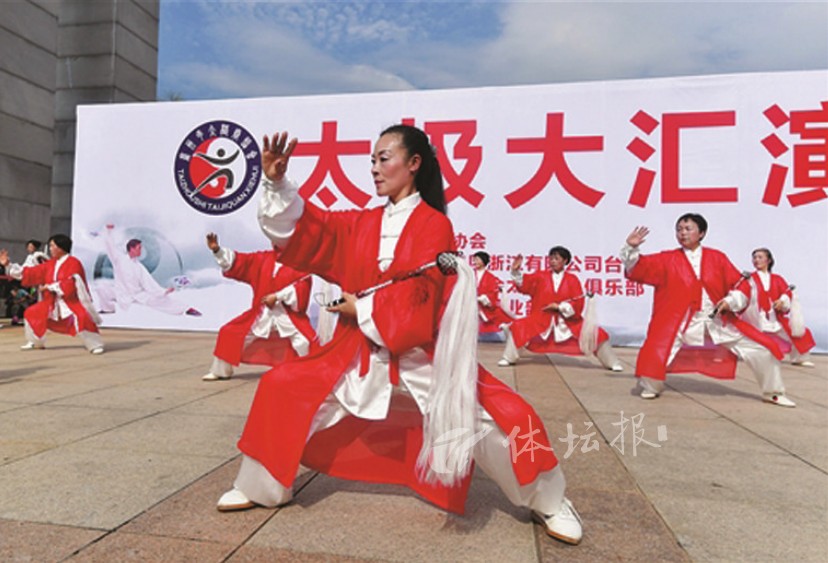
(771, 309)
(413, 341)
(491, 314)
(555, 324)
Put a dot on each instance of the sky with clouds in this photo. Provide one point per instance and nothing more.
(232, 49)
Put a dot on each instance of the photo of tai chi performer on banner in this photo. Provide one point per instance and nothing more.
(693, 326)
(66, 306)
(132, 283)
(276, 328)
(377, 403)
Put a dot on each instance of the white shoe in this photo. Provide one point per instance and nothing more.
(564, 526)
(780, 400)
(32, 346)
(617, 368)
(503, 362)
(210, 376)
(649, 395)
(97, 351)
(804, 363)
(234, 499)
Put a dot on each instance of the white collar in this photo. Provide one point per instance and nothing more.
(406, 204)
(693, 253)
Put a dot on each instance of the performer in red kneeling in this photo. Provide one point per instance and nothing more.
(397, 395)
(492, 316)
(773, 309)
(556, 322)
(276, 328)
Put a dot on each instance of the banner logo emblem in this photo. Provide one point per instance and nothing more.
(217, 167)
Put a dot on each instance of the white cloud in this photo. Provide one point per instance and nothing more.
(587, 41)
(255, 56)
(285, 48)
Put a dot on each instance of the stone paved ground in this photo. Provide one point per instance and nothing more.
(121, 457)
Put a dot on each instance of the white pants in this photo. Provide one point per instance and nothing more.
(764, 366)
(221, 368)
(91, 340)
(545, 494)
(108, 299)
(604, 353)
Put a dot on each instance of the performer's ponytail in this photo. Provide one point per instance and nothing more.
(429, 178)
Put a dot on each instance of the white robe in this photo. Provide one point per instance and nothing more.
(132, 284)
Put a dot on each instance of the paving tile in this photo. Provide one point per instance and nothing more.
(121, 546)
(42, 543)
(33, 391)
(134, 396)
(191, 513)
(41, 427)
(257, 554)
(617, 527)
(395, 525)
(79, 485)
(175, 434)
(232, 398)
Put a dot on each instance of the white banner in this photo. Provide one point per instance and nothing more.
(526, 168)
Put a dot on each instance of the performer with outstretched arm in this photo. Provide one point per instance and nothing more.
(693, 328)
(556, 322)
(66, 306)
(400, 374)
(773, 308)
(132, 282)
(276, 328)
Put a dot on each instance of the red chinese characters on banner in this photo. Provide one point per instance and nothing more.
(553, 148)
(328, 150)
(671, 189)
(458, 183)
(810, 157)
(612, 284)
(477, 242)
(594, 286)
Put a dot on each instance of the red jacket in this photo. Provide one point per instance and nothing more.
(492, 315)
(678, 293)
(528, 330)
(256, 270)
(765, 299)
(342, 248)
(70, 274)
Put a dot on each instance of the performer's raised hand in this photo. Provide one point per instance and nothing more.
(637, 236)
(517, 262)
(212, 242)
(276, 154)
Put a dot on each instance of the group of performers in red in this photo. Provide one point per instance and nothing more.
(400, 373)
